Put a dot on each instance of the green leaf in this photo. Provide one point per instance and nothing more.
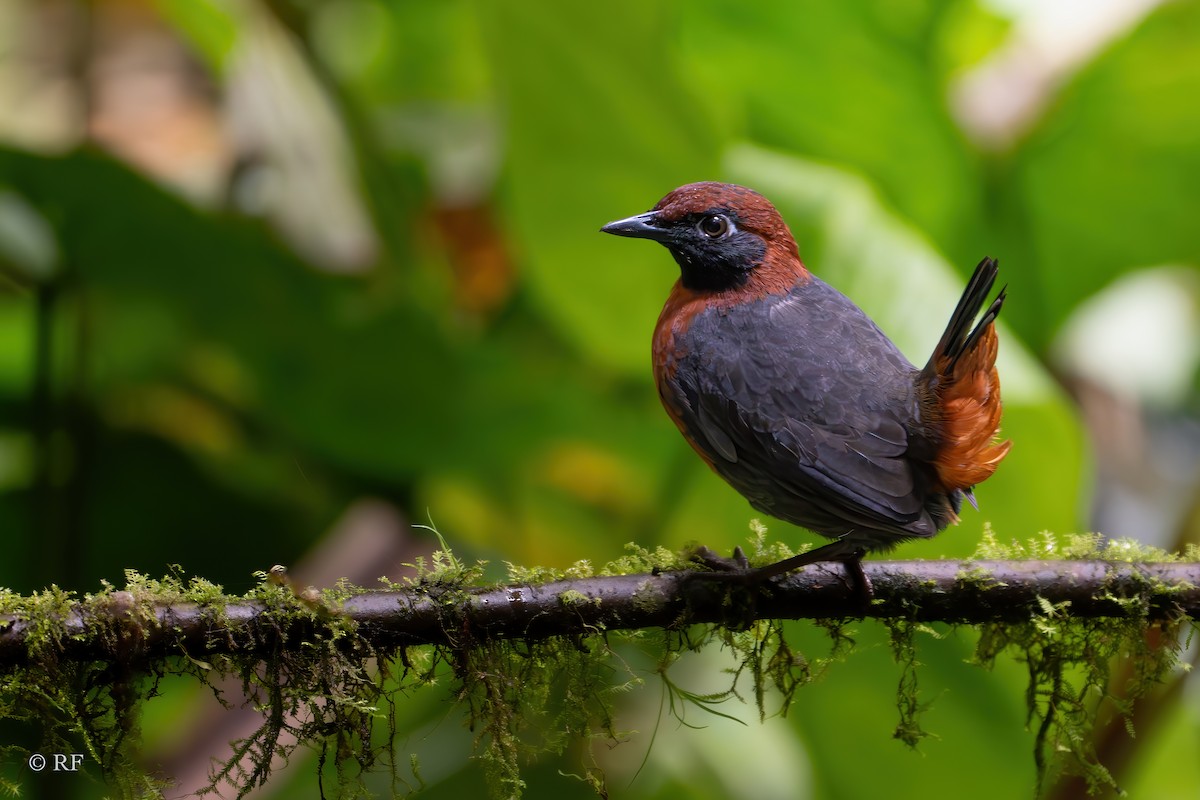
(845, 83)
(210, 25)
(599, 126)
(1107, 183)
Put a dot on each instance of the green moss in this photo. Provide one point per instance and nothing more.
(1073, 663)
(329, 689)
(639, 559)
(1074, 547)
(574, 598)
(76, 704)
(902, 635)
(645, 597)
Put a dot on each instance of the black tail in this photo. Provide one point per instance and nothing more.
(956, 340)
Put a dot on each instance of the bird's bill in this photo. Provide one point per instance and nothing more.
(642, 226)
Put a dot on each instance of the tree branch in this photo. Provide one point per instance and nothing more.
(930, 591)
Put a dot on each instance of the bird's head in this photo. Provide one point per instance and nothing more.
(725, 237)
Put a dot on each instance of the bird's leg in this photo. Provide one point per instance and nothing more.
(857, 580)
(861, 583)
(848, 555)
(739, 605)
(738, 568)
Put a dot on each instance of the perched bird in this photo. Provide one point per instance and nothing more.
(798, 400)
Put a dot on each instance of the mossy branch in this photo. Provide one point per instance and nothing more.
(537, 652)
(919, 591)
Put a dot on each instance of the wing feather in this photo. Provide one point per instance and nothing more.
(808, 409)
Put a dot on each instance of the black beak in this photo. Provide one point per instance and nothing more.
(643, 226)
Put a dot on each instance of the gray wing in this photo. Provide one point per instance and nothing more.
(806, 407)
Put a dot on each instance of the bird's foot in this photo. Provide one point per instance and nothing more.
(707, 557)
(739, 579)
(713, 567)
(858, 582)
(854, 577)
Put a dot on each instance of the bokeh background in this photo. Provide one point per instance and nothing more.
(284, 280)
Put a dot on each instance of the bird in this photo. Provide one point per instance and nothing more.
(798, 400)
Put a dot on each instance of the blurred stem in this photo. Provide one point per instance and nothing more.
(62, 428)
(58, 448)
(80, 430)
(47, 521)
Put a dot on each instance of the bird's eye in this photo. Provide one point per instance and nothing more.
(714, 226)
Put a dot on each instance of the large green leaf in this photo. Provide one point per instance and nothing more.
(975, 720)
(1107, 182)
(851, 83)
(599, 125)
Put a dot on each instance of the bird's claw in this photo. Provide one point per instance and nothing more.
(707, 557)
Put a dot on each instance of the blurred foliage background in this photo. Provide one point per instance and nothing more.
(282, 278)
